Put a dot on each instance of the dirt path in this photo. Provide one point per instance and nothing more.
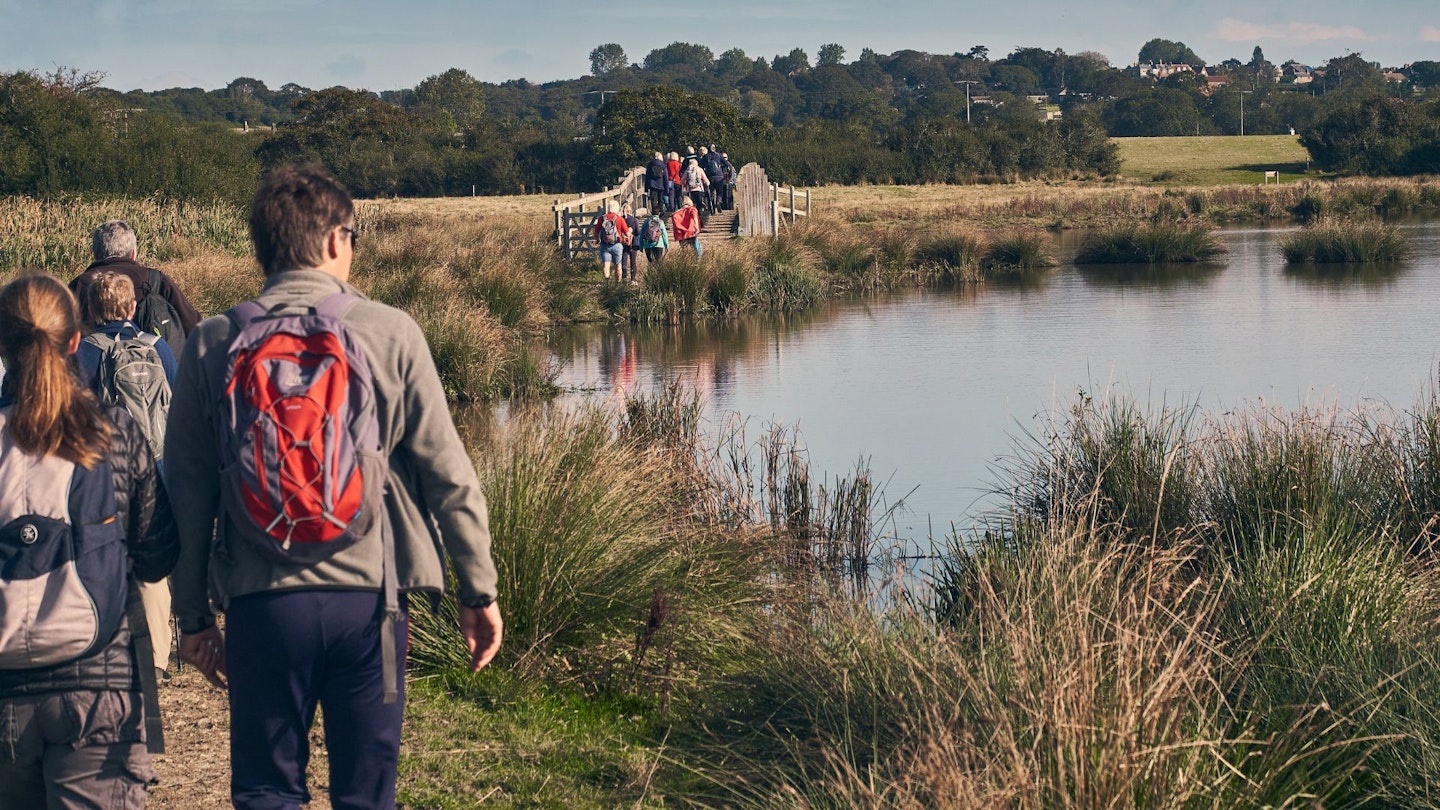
(195, 771)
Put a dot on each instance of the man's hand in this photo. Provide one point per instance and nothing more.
(482, 628)
(205, 651)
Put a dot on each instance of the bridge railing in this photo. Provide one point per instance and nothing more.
(575, 219)
(762, 206)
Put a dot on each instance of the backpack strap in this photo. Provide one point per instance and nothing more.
(143, 649)
(152, 283)
(337, 305)
(245, 313)
(389, 674)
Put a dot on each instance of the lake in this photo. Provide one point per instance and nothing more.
(932, 386)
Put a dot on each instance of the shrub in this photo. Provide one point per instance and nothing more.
(1330, 242)
(1018, 254)
(1150, 243)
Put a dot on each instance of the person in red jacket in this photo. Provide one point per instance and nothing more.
(676, 185)
(685, 224)
(613, 235)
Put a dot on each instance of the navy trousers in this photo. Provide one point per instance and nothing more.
(287, 651)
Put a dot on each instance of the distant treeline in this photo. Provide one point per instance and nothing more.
(906, 117)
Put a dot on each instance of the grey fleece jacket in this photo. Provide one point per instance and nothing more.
(433, 500)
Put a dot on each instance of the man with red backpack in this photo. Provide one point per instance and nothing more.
(317, 479)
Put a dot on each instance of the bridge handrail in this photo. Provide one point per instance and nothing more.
(761, 207)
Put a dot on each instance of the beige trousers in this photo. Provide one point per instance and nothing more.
(156, 598)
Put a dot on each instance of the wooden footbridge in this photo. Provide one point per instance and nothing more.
(762, 208)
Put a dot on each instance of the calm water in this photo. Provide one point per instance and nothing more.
(933, 387)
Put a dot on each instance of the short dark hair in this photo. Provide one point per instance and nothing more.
(294, 209)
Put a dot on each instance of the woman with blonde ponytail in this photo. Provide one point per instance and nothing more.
(80, 502)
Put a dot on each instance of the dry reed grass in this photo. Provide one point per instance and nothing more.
(1069, 204)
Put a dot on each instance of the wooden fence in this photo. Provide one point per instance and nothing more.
(761, 206)
(575, 219)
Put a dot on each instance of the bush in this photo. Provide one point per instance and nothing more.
(1331, 242)
(1150, 243)
(1019, 254)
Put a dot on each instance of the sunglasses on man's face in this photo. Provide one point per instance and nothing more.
(354, 235)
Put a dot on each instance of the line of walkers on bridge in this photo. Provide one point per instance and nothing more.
(687, 192)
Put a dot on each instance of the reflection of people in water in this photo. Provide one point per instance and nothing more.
(625, 376)
(618, 361)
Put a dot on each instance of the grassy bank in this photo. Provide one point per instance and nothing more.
(1174, 610)
(1210, 160)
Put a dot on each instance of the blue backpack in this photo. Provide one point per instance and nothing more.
(63, 576)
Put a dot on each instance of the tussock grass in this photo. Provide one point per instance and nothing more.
(1095, 205)
(1346, 242)
(1017, 255)
(1149, 243)
(1174, 610)
(951, 256)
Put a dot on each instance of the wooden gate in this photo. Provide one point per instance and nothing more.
(761, 206)
(575, 219)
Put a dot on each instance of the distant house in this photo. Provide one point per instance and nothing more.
(1296, 73)
(1214, 82)
(1155, 71)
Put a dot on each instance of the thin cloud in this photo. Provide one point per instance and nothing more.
(1430, 34)
(1233, 30)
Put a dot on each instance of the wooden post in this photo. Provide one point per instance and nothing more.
(792, 203)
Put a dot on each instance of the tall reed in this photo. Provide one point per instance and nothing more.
(1149, 243)
(1331, 242)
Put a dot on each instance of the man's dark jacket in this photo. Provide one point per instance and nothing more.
(140, 275)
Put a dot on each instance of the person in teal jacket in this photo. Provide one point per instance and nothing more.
(654, 237)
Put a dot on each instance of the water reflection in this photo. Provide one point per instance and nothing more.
(1157, 276)
(1378, 274)
(931, 385)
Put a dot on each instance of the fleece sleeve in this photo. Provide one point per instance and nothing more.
(192, 477)
(448, 486)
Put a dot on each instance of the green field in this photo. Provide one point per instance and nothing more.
(1213, 159)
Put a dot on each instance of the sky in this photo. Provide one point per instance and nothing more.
(386, 45)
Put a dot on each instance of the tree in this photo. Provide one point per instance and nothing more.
(454, 93)
(831, 54)
(1163, 111)
(733, 64)
(1017, 79)
(1375, 135)
(374, 148)
(608, 58)
(681, 55)
(1352, 75)
(1163, 51)
(792, 63)
(633, 124)
(1425, 73)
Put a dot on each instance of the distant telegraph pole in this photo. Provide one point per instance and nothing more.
(1243, 94)
(967, 83)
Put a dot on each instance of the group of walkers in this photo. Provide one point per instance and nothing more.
(297, 470)
(682, 193)
(707, 178)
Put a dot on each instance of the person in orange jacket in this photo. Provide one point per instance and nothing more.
(685, 224)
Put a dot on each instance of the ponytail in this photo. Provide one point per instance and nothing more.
(52, 414)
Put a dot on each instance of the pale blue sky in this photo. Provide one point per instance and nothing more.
(380, 44)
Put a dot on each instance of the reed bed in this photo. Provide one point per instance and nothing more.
(1174, 609)
(1093, 205)
(1149, 243)
(1366, 241)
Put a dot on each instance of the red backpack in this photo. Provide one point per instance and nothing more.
(303, 473)
(300, 443)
